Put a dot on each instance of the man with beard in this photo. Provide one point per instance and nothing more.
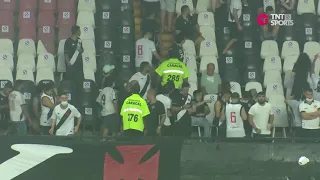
(181, 110)
(261, 117)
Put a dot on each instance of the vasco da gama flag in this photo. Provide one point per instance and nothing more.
(52, 158)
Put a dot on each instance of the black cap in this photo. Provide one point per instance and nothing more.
(235, 95)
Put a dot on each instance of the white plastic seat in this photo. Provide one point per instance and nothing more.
(208, 33)
(311, 48)
(44, 74)
(189, 48)
(213, 98)
(274, 89)
(289, 62)
(180, 3)
(25, 74)
(6, 60)
(272, 76)
(208, 48)
(26, 61)
(87, 5)
(206, 19)
(205, 60)
(89, 46)
(269, 48)
(191, 64)
(85, 18)
(89, 74)
(46, 61)
(61, 64)
(254, 85)
(272, 63)
(276, 99)
(87, 33)
(290, 48)
(89, 61)
(267, 3)
(5, 75)
(41, 49)
(280, 116)
(235, 87)
(6, 46)
(26, 46)
(193, 87)
(203, 6)
(306, 6)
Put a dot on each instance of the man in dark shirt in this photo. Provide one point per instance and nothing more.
(73, 55)
(4, 105)
(247, 102)
(176, 47)
(181, 110)
(157, 114)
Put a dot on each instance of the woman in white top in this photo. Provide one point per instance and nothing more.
(48, 102)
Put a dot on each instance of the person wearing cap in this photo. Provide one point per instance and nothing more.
(234, 115)
(261, 117)
(172, 70)
(73, 56)
(4, 105)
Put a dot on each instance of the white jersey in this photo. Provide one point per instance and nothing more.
(106, 98)
(67, 127)
(45, 118)
(166, 101)
(144, 49)
(234, 120)
(16, 100)
(142, 80)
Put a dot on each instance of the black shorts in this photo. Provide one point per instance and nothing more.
(308, 133)
(234, 31)
(111, 122)
(255, 4)
(150, 7)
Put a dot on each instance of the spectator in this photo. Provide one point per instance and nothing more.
(297, 122)
(157, 115)
(225, 87)
(36, 102)
(62, 119)
(211, 81)
(269, 32)
(4, 105)
(124, 93)
(144, 78)
(215, 4)
(301, 75)
(107, 99)
(48, 103)
(181, 109)
(149, 24)
(73, 55)
(134, 111)
(177, 48)
(108, 75)
(286, 6)
(173, 70)
(19, 111)
(188, 27)
(166, 129)
(219, 106)
(234, 23)
(261, 117)
(234, 115)
(247, 102)
(167, 11)
(257, 5)
(145, 49)
(150, 6)
(309, 110)
(198, 118)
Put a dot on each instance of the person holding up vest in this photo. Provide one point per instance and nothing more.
(173, 70)
(134, 111)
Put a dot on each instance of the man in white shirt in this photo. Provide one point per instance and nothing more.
(19, 111)
(261, 117)
(48, 103)
(108, 101)
(144, 78)
(309, 110)
(62, 119)
(145, 50)
(234, 23)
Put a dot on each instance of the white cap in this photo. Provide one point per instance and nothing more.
(303, 161)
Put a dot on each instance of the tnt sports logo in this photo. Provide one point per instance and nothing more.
(275, 20)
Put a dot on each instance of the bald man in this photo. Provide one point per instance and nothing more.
(210, 80)
(157, 114)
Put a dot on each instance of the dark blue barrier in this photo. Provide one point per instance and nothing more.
(54, 158)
